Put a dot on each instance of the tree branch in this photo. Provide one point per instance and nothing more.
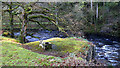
(42, 16)
(39, 24)
(42, 12)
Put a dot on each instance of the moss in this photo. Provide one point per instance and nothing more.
(52, 39)
(6, 33)
(37, 42)
(33, 43)
(64, 45)
(34, 46)
(71, 45)
(8, 39)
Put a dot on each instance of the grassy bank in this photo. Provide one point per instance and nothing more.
(14, 54)
(63, 47)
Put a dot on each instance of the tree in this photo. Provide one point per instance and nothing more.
(11, 8)
(30, 13)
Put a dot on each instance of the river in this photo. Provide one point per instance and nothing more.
(107, 48)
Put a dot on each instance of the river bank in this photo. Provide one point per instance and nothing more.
(14, 52)
(103, 44)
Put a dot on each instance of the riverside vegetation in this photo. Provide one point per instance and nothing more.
(65, 53)
(69, 23)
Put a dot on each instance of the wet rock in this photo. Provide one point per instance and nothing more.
(17, 33)
(33, 39)
(37, 35)
(115, 42)
(101, 54)
(108, 42)
(46, 31)
(46, 45)
(116, 45)
(113, 61)
(115, 53)
(100, 44)
(106, 47)
(28, 37)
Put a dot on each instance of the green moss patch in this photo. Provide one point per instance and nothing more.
(62, 46)
(6, 33)
(8, 39)
(72, 45)
(33, 43)
(33, 46)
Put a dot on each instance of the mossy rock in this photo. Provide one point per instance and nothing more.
(6, 33)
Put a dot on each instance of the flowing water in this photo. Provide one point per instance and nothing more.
(106, 48)
(42, 35)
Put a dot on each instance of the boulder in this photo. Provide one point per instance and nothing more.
(46, 45)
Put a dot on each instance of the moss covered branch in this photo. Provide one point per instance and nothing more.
(38, 12)
(42, 16)
(39, 24)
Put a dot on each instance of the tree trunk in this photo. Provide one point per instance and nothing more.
(97, 11)
(23, 29)
(96, 19)
(11, 21)
(56, 14)
(92, 12)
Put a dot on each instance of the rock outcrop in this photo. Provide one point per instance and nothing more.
(46, 45)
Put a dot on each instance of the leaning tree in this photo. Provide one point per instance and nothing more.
(31, 12)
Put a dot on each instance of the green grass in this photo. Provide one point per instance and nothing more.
(14, 55)
(8, 39)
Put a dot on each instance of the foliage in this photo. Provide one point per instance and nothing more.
(76, 17)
